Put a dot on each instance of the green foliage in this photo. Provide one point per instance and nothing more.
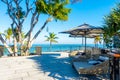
(17, 34)
(112, 24)
(55, 8)
(17, 13)
(20, 10)
(112, 21)
(97, 39)
(8, 33)
(51, 37)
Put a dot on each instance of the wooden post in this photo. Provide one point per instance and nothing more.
(38, 50)
(1, 51)
(114, 66)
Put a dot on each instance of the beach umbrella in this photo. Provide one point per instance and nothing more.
(77, 36)
(81, 36)
(87, 36)
(84, 30)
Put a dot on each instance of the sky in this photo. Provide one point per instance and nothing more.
(87, 11)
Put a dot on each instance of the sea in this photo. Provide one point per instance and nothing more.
(57, 47)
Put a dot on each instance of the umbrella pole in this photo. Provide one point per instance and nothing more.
(82, 40)
(85, 41)
(85, 44)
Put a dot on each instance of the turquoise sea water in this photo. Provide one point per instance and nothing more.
(61, 47)
(57, 47)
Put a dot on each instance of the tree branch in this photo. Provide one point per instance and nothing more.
(5, 44)
(10, 9)
(28, 9)
(38, 32)
(34, 21)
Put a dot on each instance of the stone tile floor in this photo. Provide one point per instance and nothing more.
(44, 67)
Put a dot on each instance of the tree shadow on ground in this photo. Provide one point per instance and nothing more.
(59, 68)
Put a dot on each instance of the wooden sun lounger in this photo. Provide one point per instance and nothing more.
(86, 68)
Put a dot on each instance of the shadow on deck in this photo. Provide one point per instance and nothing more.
(60, 68)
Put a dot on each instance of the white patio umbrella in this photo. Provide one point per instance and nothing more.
(84, 30)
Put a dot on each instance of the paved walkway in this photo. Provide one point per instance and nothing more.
(45, 67)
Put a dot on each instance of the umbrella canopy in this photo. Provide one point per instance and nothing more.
(84, 30)
(87, 36)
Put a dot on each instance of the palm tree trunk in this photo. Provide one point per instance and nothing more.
(50, 46)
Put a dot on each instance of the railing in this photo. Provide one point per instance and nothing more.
(47, 49)
(55, 49)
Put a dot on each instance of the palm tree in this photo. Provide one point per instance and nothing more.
(112, 26)
(51, 38)
(56, 9)
(8, 33)
(97, 40)
(107, 36)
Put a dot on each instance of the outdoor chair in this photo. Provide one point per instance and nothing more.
(101, 68)
(73, 53)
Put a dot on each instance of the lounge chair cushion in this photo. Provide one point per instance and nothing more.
(80, 53)
(103, 58)
(93, 62)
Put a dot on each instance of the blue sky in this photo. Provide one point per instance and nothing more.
(86, 11)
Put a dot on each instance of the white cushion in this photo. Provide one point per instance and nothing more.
(103, 58)
(93, 62)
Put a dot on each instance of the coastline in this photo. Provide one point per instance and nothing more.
(57, 47)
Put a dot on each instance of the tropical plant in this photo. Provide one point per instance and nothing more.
(51, 38)
(112, 25)
(54, 9)
(8, 34)
(97, 40)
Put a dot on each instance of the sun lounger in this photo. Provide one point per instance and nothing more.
(86, 68)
